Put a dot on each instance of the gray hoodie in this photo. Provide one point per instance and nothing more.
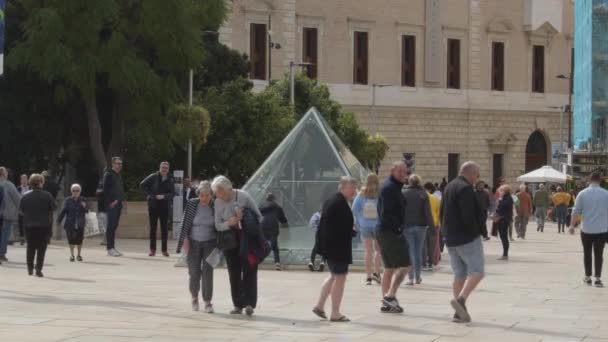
(10, 205)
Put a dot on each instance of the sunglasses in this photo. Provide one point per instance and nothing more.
(75, 190)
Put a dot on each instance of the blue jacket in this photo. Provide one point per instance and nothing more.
(74, 213)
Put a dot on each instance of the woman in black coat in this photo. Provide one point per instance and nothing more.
(334, 242)
(74, 210)
(504, 215)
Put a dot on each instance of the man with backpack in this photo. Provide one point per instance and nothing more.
(273, 216)
(159, 188)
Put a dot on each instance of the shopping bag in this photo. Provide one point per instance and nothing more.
(215, 258)
(91, 227)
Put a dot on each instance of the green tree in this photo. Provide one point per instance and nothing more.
(121, 59)
(311, 93)
(245, 128)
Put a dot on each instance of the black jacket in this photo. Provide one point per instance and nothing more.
(460, 213)
(154, 185)
(335, 233)
(187, 196)
(37, 207)
(417, 208)
(505, 208)
(113, 188)
(483, 198)
(273, 215)
(391, 213)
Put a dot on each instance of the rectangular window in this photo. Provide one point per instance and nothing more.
(408, 61)
(360, 58)
(310, 50)
(453, 165)
(497, 167)
(498, 66)
(453, 67)
(538, 69)
(257, 50)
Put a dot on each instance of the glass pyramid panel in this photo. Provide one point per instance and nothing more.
(302, 172)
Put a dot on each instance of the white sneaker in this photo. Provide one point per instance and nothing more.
(117, 252)
(111, 252)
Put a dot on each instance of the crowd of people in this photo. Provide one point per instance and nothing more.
(403, 223)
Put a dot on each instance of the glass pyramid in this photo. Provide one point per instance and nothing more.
(302, 172)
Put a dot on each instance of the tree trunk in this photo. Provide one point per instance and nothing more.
(116, 147)
(95, 134)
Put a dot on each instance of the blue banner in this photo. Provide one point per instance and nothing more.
(2, 17)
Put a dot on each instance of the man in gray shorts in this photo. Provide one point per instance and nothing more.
(389, 234)
(460, 213)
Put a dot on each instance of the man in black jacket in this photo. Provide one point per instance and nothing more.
(483, 197)
(390, 237)
(461, 213)
(273, 215)
(159, 188)
(114, 195)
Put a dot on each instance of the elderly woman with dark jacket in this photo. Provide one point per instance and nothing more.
(334, 242)
(37, 207)
(504, 217)
(418, 219)
(198, 238)
(74, 210)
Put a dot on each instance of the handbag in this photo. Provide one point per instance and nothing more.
(226, 240)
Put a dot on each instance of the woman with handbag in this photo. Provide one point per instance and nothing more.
(230, 205)
(503, 218)
(74, 210)
(199, 239)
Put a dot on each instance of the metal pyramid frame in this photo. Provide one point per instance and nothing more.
(304, 169)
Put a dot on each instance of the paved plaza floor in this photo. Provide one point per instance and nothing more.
(536, 296)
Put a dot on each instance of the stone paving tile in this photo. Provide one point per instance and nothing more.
(537, 296)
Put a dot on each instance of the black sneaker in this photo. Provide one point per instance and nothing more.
(322, 267)
(368, 281)
(72, 259)
(376, 277)
(456, 318)
(587, 281)
(392, 303)
(598, 283)
(459, 306)
(389, 310)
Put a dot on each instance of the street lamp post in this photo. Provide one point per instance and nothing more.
(374, 115)
(568, 109)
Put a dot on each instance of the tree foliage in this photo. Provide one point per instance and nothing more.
(128, 52)
(189, 123)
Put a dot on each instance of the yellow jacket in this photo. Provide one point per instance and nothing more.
(435, 209)
(561, 198)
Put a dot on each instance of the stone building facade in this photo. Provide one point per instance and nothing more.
(446, 80)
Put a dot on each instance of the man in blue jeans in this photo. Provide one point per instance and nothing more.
(460, 213)
(114, 193)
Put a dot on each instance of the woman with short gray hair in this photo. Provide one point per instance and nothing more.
(198, 238)
(229, 205)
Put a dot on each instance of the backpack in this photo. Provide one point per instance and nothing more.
(370, 209)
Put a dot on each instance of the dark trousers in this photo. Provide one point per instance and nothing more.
(243, 280)
(503, 231)
(21, 229)
(593, 243)
(273, 239)
(37, 241)
(484, 224)
(155, 214)
(113, 218)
